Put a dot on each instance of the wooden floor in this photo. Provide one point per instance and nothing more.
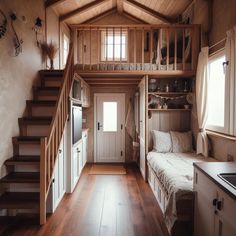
(103, 205)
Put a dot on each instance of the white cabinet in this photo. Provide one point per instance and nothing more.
(85, 94)
(85, 147)
(57, 188)
(215, 210)
(76, 164)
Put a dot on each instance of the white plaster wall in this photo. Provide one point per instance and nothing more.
(17, 74)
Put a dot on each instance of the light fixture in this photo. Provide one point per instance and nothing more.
(37, 29)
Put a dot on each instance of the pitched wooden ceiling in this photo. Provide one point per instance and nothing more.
(150, 11)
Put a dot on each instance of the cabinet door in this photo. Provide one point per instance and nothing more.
(204, 210)
(75, 165)
(85, 146)
(80, 158)
(226, 216)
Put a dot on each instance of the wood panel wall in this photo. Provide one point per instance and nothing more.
(169, 121)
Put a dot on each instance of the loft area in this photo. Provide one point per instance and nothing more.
(126, 117)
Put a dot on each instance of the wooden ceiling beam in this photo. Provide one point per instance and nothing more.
(51, 3)
(111, 83)
(100, 16)
(134, 18)
(149, 11)
(120, 7)
(84, 8)
(111, 79)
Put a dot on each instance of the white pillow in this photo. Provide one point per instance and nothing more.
(161, 141)
(182, 141)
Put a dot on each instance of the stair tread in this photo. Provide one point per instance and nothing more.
(36, 120)
(19, 200)
(20, 161)
(26, 157)
(48, 89)
(42, 102)
(21, 177)
(28, 138)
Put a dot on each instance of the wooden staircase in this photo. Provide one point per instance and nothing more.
(22, 183)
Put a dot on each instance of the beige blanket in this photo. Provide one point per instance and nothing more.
(175, 172)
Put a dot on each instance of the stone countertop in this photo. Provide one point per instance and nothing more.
(212, 169)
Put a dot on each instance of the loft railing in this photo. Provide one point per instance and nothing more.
(50, 145)
(137, 47)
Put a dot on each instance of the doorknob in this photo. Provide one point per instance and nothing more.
(99, 125)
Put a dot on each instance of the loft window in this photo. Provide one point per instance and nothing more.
(66, 42)
(217, 108)
(114, 45)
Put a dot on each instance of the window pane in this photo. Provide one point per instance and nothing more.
(216, 93)
(109, 116)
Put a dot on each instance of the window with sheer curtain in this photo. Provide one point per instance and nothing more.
(217, 102)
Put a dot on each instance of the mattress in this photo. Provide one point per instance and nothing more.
(130, 67)
(175, 173)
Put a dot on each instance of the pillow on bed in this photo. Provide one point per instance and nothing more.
(161, 141)
(182, 141)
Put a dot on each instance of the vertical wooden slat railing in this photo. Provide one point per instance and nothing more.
(50, 145)
(179, 45)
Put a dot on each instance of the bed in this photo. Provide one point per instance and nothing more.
(170, 176)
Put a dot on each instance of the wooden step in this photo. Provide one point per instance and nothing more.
(35, 120)
(19, 200)
(41, 103)
(21, 177)
(22, 161)
(51, 72)
(27, 139)
(47, 91)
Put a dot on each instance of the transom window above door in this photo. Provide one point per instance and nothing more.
(114, 45)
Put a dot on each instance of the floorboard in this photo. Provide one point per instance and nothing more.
(102, 205)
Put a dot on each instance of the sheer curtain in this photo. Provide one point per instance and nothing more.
(230, 47)
(202, 78)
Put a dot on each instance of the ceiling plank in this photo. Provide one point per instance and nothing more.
(149, 11)
(82, 9)
(100, 16)
(50, 3)
(134, 18)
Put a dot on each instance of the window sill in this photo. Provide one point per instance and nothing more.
(220, 135)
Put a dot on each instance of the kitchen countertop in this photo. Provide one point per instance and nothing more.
(212, 169)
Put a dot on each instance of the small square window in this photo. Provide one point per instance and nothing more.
(114, 45)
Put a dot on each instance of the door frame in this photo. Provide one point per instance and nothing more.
(96, 95)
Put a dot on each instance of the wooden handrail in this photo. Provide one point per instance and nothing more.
(50, 145)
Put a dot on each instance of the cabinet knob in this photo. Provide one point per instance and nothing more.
(60, 151)
(214, 202)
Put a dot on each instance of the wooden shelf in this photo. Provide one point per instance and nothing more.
(179, 109)
(168, 93)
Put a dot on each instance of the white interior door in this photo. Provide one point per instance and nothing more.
(109, 127)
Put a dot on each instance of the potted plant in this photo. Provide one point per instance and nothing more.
(49, 50)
